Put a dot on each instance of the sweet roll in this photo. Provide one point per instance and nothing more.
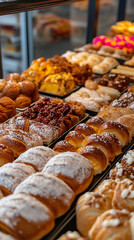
(64, 146)
(71, 236)
(95, 122)
(84, 129)
(116, 144)
(6, 155)
(75, 138)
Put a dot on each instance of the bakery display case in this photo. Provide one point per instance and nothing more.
(67, 121)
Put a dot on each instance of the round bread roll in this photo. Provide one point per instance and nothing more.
(123, 197)
(75, 139)
(24, 217)
(116, 144)
(36, 157)
(102, 143)
(106, 188)
(22, 101)
(8, 106)
(3, 115)
(6, 155)
(27, 88)
(2, 84)
(71, 236)
(112, 224)
(89, 206)
(84, 129)
(15, 77)
(72, 168)
(74, 119)
(118, 129)
(125, 169)
(96, 157)
(50, 190)
(14, 144)
(64, 146)
(12, 174)
(11, 90)
(95, 122)
(4, 236)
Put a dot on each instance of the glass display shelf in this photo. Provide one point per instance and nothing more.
(15, 6)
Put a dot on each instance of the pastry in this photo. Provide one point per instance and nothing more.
(128, 121)
(26, 88)
(102, 143)
(107, 64)
(118, 129)
(72, 168)
(8, 106)
(15, 220)
(6, 155)
(64, 146)
(95, 122)
(123, 197)
(4, 236)
(112, 224)
(22, 101)
(130, 62)
(49, 190)
(36, 157)
(11, 90)
(89, 206)
(96, 157)
(125, 169)
(71, 236)
(84, 129)
(116, 144)
(12, 174)
(75, 138)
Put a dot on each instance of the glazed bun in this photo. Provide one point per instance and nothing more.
(22, 101)
(2, 84)
(64, 146)
(50, 190)
(27, 88)
(116, 144)
(95, 122)
(84, 129)
(117, 129)
(96, 157)
(72, 168)
(11, 90)
(89, 206)
(7, 106)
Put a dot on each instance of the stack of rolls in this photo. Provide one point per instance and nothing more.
(46, 194)
(98, 140)
(108, 212)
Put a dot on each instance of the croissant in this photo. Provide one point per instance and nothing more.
(128, 121)
(72, 168)
(50, 190)
(116, 144)
(123, 197)
(112, 224)
(75, 138)
(15, 220)
(96, 157)
(95, 122)
(84, 129)
(6, 155)
(118, 129)
(89, 207)
(36, 157)
(11, 174)
(64, 146)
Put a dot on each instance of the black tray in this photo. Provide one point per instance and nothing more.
(68, 221)
(60, 96)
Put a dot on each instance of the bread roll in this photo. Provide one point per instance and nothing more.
(8, 106)
(102, 143)
(36, 157)
(95, 122)
(72, 168)
(19, 122)
(125, 169)
(2, 84)
(118, 129)
(71, 236)
(13, 77)
(128, 121)
(4, 236)
(106, 188)
(116, 144)
(75, 138)
(14, 144)
(6, 155)
(12, 174)
(11, 90)
(64, 146)
(84, 129)
(96, 157)
(27, 88)
(24, 217)
(35, 95)
(22, 101)
(123, 197)
(89, 206)
(50, 190)
(112, 224)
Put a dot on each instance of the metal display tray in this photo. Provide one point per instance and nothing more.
(68, 221)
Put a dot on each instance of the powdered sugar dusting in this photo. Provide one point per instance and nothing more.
(111, 222)
(70, 164)
(4, 236)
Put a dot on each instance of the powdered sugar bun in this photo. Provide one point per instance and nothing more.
(24, 217)
(37, 157)
(72, 168)
(4, 236)
(11, 174)
(50, 190)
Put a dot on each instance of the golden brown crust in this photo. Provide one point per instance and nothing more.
(72, 236)
(118, 129)
(8, 106)
(84, 129)
(22, 101)
(75, 139)
(102, 143)
(89, 207)
(95, 122)
(35, 95)
(64, 146)
(116, 144)
(6, 155)
(27, 88)
(128, 121)
(11, 90)
(96, 157)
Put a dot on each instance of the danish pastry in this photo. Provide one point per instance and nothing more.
(75, 138)
(95, 122)
(84, 129)
(116, 144)
(64, 146)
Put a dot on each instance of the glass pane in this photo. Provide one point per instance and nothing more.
(130, 10)
(107, 15)
(58, 29)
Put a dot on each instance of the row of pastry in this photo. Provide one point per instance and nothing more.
(108, 212)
